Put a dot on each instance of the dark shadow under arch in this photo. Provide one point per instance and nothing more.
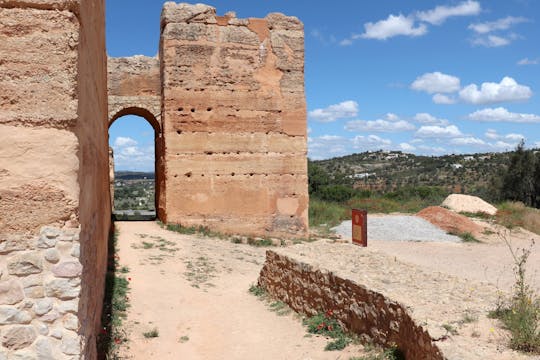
(159, 167)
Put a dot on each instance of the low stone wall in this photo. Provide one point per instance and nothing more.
(309, 290)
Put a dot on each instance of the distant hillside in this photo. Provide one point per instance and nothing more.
(385, 171)
(133, 175)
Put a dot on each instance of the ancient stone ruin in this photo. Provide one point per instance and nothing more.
(226, 100)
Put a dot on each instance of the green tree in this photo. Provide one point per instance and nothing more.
(317, 178)
(519, 180)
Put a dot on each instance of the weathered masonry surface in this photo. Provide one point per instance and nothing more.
(54, 196)
(226, 99)
(231, 133)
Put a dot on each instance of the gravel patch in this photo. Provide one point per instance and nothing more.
(398, 228)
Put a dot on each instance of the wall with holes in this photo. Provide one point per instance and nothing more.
(234, 121)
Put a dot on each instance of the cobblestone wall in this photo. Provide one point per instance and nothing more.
(309, 290)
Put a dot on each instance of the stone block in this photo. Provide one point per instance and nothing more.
(11, 292)
(61, 289)
(67, 269)
(25, 263)
(18, 337)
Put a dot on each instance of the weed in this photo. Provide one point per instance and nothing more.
(280, 308)
(154, 333)
(184, 339)
(325, 324)
(392, 353)
(116, 303)
(521, 315)
(124, 269)
(450, 329)
(465, 236)
(147, 245)
(480, 214)
(469, 317)
(257, 290)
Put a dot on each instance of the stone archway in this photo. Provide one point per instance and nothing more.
(159, 154)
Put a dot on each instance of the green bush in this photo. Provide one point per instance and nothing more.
(325, 212)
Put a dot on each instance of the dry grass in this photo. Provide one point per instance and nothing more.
(513, 214)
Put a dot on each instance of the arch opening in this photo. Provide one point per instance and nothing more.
(135, 160)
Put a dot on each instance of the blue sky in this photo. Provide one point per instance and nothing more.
(424, 77)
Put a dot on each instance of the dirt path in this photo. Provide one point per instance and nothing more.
(194, 291)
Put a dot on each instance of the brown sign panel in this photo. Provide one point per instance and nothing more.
(359, 227)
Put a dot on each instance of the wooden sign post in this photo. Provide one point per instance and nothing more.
(359, 227)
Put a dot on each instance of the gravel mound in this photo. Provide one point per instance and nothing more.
(398, 228)
(449, 220)
(467, 203)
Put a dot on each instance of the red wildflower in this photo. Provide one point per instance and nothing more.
(329, 313)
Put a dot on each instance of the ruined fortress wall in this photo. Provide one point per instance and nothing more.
(53, 176)
(234, 121)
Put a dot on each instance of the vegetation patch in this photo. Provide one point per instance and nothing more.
(116, 303)
(465, 236)
(520, 313)
(154, 333)
(516, 214)
(325, 324)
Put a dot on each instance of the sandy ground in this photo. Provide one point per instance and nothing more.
(488, 261)
(194, 291)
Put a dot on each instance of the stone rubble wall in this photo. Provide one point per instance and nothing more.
(310, 290)
(53, 177)
(234, 121)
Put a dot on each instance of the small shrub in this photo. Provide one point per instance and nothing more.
(154, 333)
(325, 324)
(465, 236)
(521, 315)
(257, 290)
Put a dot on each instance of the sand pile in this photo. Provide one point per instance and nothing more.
(450, 221)
(467, 203)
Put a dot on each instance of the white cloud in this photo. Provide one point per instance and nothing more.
(407, 147)
(439, 14)
(124, 141)
(345, 109)
(467, 141)
(414, 24)
(492, 134)
(430, 150)
(328, 146)
(514, 137)
(507, 90)
(436, 82)
(129, 156)
(443, 99)
(429, 131)
(371, 142)
(500, 24)
(390, 123)
(501, 114)
(394, 25)
(492, 41)
(428, 119)
(527, 61)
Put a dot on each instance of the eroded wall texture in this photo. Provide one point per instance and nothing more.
(54, 202)
(234, 121)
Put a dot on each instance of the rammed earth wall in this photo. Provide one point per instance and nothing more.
(54, 197)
